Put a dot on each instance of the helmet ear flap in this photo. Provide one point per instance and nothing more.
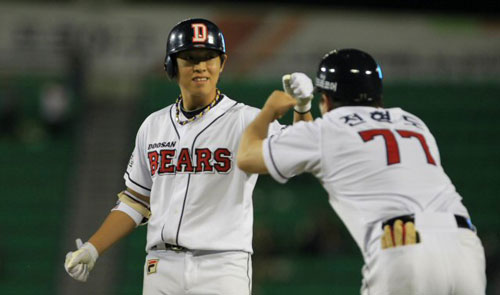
(170, 67)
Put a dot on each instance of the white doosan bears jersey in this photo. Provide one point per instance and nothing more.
(375, 164)
(199, 198)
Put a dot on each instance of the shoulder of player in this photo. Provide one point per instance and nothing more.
(236, 106)
(158, 116)
(242, 113)
(306, 126)
(161, 112)
(399, 112)
(406, 113)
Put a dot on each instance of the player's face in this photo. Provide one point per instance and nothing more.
(199, 71)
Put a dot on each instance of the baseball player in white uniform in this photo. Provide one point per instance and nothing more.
(381, 168)
(182, 180)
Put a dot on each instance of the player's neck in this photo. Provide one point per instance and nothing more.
(193, 102)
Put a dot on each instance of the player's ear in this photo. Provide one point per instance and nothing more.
(329, 104)
(223, 58)
(325, 104)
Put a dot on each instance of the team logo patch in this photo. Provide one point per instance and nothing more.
(152, 266)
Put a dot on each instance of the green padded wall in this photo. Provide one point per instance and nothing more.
(34, 178)
(34, 190)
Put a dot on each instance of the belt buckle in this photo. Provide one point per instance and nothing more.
(177, 248)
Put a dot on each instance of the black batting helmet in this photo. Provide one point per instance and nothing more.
(350, 77)
(189, 34)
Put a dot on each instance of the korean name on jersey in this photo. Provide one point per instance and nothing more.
(374, 162)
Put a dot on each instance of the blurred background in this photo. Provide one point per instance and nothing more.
(78, 77)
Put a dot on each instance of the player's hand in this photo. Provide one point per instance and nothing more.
(78, 264)
(399, 234)
(300, 87)
(278, 104)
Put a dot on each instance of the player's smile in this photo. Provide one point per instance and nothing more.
(200, 80)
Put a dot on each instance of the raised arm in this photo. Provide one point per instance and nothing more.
(250, 156)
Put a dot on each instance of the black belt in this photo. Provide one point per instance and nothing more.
(166, 246)
(462, 222)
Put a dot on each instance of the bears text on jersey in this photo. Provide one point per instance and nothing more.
(203, 160)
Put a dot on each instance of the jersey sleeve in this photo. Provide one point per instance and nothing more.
(295, 150)
(275, 128)
(138, 176)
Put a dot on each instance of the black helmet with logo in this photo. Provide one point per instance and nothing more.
(350, 77)
(189, 34)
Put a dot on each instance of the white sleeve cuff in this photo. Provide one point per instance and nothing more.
(270, 161)
(137, 187)
(136, 216)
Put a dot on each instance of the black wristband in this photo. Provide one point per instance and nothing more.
(302, 113)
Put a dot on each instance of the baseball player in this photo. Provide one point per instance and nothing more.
(381, 168)
(182, 180)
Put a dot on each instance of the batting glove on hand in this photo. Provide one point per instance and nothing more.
(399, 235)
(300, 87)
(78, 264)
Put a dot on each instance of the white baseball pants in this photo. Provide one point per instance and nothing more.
(448, 260)
(197, 273)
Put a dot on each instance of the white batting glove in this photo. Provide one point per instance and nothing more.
(300, 86)
(78, 264)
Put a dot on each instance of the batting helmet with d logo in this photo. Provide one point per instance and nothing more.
(190, 34)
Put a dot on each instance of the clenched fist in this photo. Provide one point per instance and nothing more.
(300, 87)
(79, 263)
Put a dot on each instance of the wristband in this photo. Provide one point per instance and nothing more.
(303, 109)
(131, 212)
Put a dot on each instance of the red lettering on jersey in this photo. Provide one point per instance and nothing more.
(199, 32)
(390, 143)
(153, 162)
(184, 161)
(203, 160)
(166, 161)
(223, 160)
(423, 143)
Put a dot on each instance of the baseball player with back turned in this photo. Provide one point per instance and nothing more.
(182, 180)
(382, 171)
